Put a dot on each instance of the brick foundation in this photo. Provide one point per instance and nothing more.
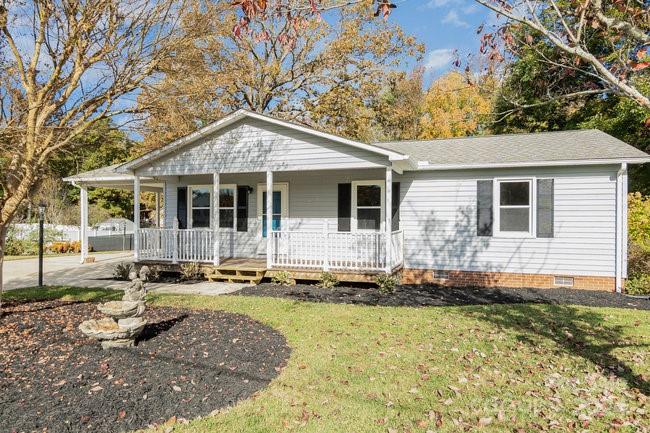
(504, 279)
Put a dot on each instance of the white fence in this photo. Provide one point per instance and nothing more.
(359, 251)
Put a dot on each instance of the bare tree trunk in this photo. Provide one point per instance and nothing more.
(3, 242)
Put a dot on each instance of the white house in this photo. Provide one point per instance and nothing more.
(533, 210)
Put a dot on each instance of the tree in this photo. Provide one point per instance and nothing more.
(285, 64)
(603, 41)
(455, 106)
(66, 65)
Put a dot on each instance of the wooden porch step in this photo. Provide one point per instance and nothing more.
(236, 274)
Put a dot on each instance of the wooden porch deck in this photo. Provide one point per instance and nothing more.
(252, 270)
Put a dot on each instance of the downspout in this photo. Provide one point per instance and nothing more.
(621, 227)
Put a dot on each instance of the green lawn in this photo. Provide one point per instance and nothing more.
(491, 368)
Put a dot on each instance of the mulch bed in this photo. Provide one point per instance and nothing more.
(432, 295)
(187, 363)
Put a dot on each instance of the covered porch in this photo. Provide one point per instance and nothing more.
(322, 220)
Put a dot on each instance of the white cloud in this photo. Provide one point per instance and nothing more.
(440, 3)
(452, 17)
(470, 9)
(439, 58)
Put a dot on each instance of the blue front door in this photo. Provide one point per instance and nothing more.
(277, 212)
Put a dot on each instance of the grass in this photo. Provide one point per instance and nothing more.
(487, 368)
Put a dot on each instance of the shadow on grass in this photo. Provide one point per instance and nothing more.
(580, 332)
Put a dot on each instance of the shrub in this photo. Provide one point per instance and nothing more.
(639, 219)
(190, 271)
(283, 278)
(154, 274)
(327, 280)
(387, 282)
(638, 260)
(638, 285)
(122, 270)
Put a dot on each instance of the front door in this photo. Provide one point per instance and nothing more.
(280, 207)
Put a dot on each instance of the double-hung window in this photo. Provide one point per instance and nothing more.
(514, 205)
(227, 206)
(199, 208)
(367, 205)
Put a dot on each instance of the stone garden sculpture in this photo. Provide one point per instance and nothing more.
(125, 321)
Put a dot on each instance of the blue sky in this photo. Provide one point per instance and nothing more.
(442, 25)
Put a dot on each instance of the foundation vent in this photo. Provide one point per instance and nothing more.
(563, 281)
(442, 275)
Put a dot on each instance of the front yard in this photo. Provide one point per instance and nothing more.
(358, 368)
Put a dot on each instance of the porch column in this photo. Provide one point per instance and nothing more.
(215, 218)
(83, 223)
(388, 220)
(269, 218)
(158, 210)
(136, 218)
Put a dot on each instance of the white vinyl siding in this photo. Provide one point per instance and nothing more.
(252, 145)
(313, 201)
(438, 216)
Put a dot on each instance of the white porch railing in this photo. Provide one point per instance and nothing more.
(355, 251)
(359, 251)
(176, 245)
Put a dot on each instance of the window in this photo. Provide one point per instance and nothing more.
(200, 206)
(227, 207)
(368, 205)
(200, 209)
(514, 207)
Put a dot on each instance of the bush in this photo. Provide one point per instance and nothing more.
(14, 247)
(191, 271)
(387, 282)
(283, 278)
(638, 260)
(155, 274)
(327, 280)
(638, 285)
(122, 270)
(638, 219)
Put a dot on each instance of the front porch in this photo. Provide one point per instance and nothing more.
(367, 252)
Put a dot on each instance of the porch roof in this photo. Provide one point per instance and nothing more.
(110, 177)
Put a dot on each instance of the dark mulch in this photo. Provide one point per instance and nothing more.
(433, 295)
(187, 364)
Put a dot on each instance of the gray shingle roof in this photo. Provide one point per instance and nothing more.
(588, 144)
(104, 172)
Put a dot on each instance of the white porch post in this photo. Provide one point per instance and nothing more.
(215, 218)
(388, 216)
(269, 218)
(158, 210)
(83, 223)
(136, 218)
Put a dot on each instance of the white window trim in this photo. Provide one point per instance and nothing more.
(283, 187)
(382, 213)
(233, 208)
(532, 206)
(190, 207)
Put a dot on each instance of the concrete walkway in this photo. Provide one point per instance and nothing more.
(67, 271)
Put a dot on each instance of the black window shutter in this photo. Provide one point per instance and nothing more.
(484, 213)
(181, 207)
(545, 198)
(395, 206)
(345, 207)
(242, 208)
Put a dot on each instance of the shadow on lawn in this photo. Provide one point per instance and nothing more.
(584, 333)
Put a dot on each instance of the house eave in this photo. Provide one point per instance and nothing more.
(424, 165)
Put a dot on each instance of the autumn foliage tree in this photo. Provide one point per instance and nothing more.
(455, 106)
(66, 64)
(287, 63)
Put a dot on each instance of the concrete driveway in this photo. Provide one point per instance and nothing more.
(67, 271)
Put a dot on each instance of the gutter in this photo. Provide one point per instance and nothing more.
(425, 165)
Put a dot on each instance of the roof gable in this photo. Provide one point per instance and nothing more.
(244, 114)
